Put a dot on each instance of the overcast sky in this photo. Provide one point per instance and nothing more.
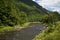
(53, 5)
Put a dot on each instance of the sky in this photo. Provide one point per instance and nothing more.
(52, 5)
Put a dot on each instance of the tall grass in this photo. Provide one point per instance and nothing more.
(51, 33)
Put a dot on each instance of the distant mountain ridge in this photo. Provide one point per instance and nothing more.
(34, 4)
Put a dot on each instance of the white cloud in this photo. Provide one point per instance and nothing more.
(56, 9)
(55, 4)
(33, 0)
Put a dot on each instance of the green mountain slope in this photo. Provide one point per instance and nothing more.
(13, 12)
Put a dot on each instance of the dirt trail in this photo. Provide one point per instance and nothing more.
(26, 33)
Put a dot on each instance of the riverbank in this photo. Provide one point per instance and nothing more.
(27, 33)
(51, 33)
(5, 29)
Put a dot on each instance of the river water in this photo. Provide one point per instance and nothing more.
(24, 34)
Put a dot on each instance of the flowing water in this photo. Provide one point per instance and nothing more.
(24, 34)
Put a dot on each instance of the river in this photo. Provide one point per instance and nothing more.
(25, 33)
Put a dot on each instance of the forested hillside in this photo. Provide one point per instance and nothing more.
(13, 12)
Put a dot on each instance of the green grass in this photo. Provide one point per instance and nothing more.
(6, 29)
(51, 33)
(27, 23)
